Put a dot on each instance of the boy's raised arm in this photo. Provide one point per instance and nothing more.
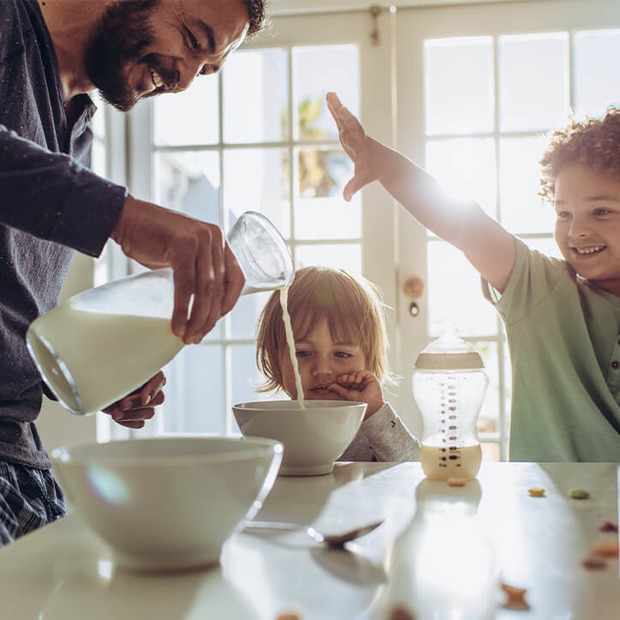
(489, 247)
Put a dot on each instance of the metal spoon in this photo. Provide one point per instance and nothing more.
(332, 540)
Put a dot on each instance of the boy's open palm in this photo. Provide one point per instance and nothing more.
(360, 386)
(356, 144)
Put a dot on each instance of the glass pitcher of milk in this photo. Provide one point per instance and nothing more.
(104, 343)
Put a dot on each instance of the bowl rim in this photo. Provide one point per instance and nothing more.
(259, 405)
(63, 456)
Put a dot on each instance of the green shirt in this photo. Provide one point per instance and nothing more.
(564, 340)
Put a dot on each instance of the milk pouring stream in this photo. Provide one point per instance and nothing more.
(104, 343)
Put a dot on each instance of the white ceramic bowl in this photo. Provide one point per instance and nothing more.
(313, 437)
(171, 502)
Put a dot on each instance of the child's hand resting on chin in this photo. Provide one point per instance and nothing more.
(360, 386)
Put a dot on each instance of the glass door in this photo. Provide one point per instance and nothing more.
(259, 137)
(478, 87)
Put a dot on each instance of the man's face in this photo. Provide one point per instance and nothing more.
(587, 228)
(141, 48)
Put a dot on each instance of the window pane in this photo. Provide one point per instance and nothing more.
(488, 420)
(194, 396)
(244, 316)
(317, 70)
(533, 81)
(257, 180)
(189, 182)
(454, 295)
(459, 85)
(98, 157)
(320, 211)
(255, 96)
(547, 246)
(190, 117)
(465, 168)
(597, 79)
(347, 257)
(245, 375)
(521, 208)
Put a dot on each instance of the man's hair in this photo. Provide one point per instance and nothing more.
(257, 14)
(593, 143)
(353, 310)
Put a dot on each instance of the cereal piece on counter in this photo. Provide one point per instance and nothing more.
(606, 546)
(594, 563)
(455, 481)
(579, 494)
(536, 492)
(515, 597)
(400, 612)
(288, 615)
(608, 526)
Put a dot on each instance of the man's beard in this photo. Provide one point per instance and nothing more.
(121, 36)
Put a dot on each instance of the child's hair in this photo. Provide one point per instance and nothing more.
(354, 313)
(593, 143)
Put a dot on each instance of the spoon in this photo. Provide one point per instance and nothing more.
(332, 540)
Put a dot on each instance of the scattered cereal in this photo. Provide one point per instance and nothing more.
(579, 494)
(456, 482)
(400, 612)
(514, 594)
(536, 492)
(593, 563)
(608, 526)
(606, 546)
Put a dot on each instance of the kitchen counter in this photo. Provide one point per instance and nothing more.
(537, 543)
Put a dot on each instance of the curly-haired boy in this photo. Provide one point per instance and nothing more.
(562, 317)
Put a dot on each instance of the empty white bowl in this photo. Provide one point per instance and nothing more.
(171, 502)
(313, 437)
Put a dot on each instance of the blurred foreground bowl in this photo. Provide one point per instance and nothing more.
(171, 502)
(313, 437)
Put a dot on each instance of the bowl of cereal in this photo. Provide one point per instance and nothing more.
(170, 502)
(313, 436)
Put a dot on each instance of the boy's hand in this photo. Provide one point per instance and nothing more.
(357, 145)
(132, 410)
(361, 386)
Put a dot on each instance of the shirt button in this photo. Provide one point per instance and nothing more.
(615, 364)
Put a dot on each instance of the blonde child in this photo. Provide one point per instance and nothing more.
(340, 345)
(562, 317)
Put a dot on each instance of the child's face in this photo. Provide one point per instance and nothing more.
(587, 228)
(321, 361)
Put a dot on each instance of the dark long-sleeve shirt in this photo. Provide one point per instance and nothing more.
(50, 205)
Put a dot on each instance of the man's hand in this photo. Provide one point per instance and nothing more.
(360, 386)
(203, 264)
(132, 410)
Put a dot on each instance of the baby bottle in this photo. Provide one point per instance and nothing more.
(449, 384)
(104, 343)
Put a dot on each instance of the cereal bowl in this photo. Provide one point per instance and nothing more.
(167, 503)
(313, 437)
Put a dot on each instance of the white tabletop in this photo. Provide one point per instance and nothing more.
(63, 572)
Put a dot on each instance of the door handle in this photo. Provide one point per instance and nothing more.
(413, 286)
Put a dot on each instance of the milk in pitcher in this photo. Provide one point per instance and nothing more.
(104, 356)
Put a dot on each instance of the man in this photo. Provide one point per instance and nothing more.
(52, 52)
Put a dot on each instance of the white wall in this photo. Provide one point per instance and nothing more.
(56, 425)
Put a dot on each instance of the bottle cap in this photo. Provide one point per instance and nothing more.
(449, 352)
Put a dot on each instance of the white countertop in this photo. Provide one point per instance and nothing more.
(63, 572)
